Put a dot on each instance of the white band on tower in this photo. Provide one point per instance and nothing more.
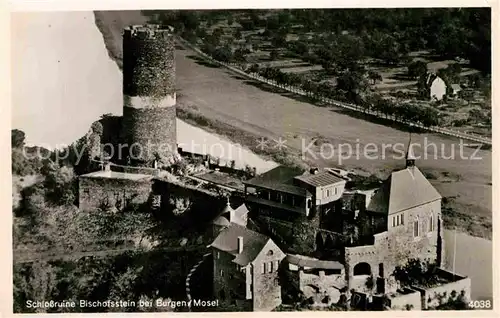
(142, 102)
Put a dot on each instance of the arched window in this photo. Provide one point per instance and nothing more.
(362, 269)
(416, 230)
(431, 223)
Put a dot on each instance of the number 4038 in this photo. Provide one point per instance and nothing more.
(480, 304)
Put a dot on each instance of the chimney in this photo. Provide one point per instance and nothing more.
(240, 244)
(314, 171)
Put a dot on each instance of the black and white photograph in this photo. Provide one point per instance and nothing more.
(252, 160)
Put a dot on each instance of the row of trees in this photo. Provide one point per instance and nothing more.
(347, 90)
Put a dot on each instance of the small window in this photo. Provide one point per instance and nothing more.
(402, 219)
(221, 273)
(270, 267)
(431, 224)
(263, 268)
(328, 193)
(270, 253)
(86, 191)
(276, 265)
(393, 221)
(217, 255)
(335, 190)
(309, 204)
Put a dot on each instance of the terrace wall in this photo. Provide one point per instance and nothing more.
(435, 296)
(205, 205)
(94, 192)
(402, 301)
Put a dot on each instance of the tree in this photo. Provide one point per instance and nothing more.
(272, 23)
(123, 286)
(180, 205)
(37, 282)
(453, 72)
(284, 18)
(391, 51)
(223, 54)
(61, 186)
(217, 34)
(351, 82)
(417, 69)
(374, 76)
(278, 40)
(349, 50)
(417, 272)
(239, 55)
(189, 19)
(429, 116)
(17, 138)
(302, 240)
(238, 35)
(273, 55)
(254, 68)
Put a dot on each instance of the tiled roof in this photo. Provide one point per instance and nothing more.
(320, 179)
(279, 179)
(403, 190)
(253, 243)
(304, 261)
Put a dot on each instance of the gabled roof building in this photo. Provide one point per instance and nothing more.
(245, 269)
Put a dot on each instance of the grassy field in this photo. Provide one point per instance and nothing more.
(228, 104)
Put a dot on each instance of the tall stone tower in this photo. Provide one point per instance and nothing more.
(149, 100)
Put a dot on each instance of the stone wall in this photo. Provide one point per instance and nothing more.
(397, 245)
(323, 284)
(405, 301)
(153, 129)
(148, 62)
(204, 205)
(230, 284)
(459, 287)
(93, 192)
(266, 287)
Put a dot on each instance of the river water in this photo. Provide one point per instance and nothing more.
(64, 80)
